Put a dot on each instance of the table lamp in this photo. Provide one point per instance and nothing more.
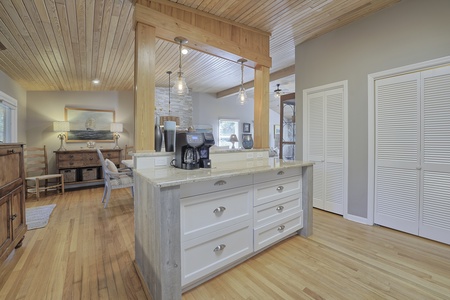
(115, 129)
(233, 139)
(62, 127)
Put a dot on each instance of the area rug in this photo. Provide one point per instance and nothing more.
(37, 217)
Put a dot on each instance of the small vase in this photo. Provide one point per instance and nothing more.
(247, 141)
(158, 136)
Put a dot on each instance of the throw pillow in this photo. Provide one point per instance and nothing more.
(111, 166)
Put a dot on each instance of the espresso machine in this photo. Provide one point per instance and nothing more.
(187, 154)
(205, 161)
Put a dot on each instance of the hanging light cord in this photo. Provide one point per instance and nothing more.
(180, 58)
(242, 74)
(169, 72)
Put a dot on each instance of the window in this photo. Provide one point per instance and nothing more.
(8, 119)
(227, 127)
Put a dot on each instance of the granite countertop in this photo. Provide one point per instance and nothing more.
(171, 176)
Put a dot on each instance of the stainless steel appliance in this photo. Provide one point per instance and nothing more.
(187, 154)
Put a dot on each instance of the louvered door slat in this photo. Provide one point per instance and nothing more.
(315, 127)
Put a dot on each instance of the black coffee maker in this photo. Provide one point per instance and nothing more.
(205, 161)
(187, 150)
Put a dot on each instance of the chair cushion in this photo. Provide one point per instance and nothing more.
(111, 166)
(123, 180)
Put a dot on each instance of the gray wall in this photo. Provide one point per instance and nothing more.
(409, 32)
(13, 89)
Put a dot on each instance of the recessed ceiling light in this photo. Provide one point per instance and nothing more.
(96, 81)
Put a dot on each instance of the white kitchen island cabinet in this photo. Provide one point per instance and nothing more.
(191, 225)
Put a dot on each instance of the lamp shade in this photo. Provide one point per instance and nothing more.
(61, 126)
(116, 127)
(233, 138)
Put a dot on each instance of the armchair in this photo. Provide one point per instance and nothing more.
(114, 178)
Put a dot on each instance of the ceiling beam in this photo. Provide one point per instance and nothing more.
(206, 33)
(250, 84)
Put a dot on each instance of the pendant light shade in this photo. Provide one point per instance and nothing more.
(169, 117)
(242, 95)
(180, 87)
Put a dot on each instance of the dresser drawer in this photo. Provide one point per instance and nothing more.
(207, 213)
(276, 210)
(277, 174)
(113, 156)
(91, 159)
(203, 187)
(70, 160)
(275, 231)
(277, 189)
(209, 253)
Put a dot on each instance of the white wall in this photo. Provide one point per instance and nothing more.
(45, 107)
(13, 89)
(410, 31)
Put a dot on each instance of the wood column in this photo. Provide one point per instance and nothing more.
(144, 87)
(261, 108)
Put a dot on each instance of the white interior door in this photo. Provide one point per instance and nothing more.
(325, 128)
(316, 146)
(397, 163)
(435, 202)
(334, 150)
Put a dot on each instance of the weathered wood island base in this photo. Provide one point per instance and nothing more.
(192, 225)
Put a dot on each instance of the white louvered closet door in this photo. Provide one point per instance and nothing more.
(435, 202)
(334, 151)
(325, 142)
(397, 163)
(316, 146)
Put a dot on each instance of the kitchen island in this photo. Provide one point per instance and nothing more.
(192, 225)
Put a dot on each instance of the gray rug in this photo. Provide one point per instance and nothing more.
(37, 217)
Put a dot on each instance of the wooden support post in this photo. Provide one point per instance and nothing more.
(144, 87)
(261, 104)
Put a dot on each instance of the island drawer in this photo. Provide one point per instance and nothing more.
(277, 189)
(203, 187)
(273, 232)
(276, 210)
(277, 174)
(206, 254)
(207, 213)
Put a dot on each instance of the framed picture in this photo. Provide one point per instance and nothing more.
(89, 124)
(276, 129)
(246, 127)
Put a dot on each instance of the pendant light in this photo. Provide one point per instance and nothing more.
(169, 117)
(180, 87)
(277, 92)
(242, 95)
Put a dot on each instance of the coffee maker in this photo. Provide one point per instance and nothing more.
(187, 150)
(205, 161)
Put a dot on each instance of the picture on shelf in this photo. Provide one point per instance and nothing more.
(89, 124)
(246, 127)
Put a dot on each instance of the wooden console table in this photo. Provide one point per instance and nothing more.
(82, 167)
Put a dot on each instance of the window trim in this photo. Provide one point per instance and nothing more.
(11, 103)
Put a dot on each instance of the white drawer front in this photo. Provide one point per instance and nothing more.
(273, 232)
(277, 174)
(277, 189)
(203, 187)
(207, 213)
(277, 210)
(208, 253)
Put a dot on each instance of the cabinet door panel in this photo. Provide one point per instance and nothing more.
(5, 229)
(17, 211)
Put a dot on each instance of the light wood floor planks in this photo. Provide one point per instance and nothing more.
(87, 252)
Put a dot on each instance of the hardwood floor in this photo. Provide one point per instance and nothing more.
(87, 252)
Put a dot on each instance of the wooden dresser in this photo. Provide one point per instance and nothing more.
(82, 167)
(12, 199)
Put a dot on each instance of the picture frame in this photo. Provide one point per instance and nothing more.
(276, 129)
(246, 127)
(89, 124)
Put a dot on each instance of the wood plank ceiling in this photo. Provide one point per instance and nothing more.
(62, 45)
